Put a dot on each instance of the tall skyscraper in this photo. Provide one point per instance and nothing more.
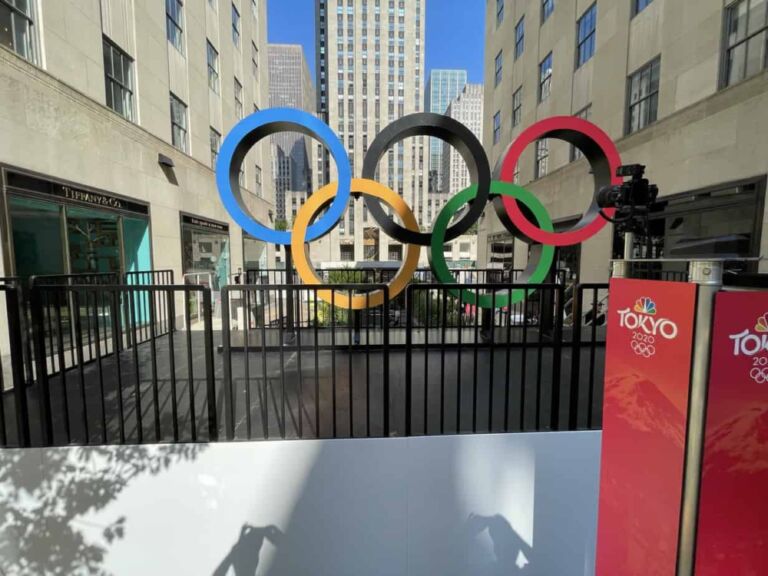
(442, 87)
(467, 108)
(290, 86)
(370, 71)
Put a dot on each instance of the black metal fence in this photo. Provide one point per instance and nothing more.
(383, 275)
(133, 362)
(321, 370)
(108, 368)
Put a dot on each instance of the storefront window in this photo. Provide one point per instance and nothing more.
(719, 223)
(76, 231)
(205, 256)
(136, 244)
(94, 244)
(37, 242)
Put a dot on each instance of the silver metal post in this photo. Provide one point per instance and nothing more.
(708, 276)
(620, 268)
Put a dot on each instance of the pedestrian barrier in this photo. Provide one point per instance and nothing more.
(134, 363)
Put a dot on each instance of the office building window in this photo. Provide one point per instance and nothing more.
(17, 30)
(519, 38)
(547, 7)
(255, 8)
(178, 123)
(585, 42)
(639, 5)
(174, 23)
(118, 77)
(643, 96)
(585, 114)
(498, 64)
(235, 25)
(746, 42)
(254, 60)
(238, 99)
(517, 106)
(545, 77)
(496, 127)
(542, 157)
(213, 68)
(257, 173)
(347, 252)
(499, 12)
(215, 145)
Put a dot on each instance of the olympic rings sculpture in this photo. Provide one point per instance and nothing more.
(506, 196)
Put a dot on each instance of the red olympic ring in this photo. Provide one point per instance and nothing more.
(597, 147)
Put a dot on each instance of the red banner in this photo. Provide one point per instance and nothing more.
(733, 513)
(647, 375)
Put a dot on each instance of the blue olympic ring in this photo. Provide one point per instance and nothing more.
(257, 126)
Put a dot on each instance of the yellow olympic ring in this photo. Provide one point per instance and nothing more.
(315, 202)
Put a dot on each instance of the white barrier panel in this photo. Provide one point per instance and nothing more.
(452, 505)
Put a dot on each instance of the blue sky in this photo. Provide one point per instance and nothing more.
(454, 30)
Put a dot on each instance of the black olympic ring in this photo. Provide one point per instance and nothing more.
(455, 134)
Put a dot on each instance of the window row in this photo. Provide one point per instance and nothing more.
(174, 23)
(585, 44)
(642, 100)
(745, 44)
(547, 8)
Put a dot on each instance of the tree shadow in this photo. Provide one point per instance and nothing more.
(44, 492)
(244, 555)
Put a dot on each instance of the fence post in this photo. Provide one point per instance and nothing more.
(46, 421)
(226, 350)
(210, 380)
(408, 356)
(385, 328)
(290, 333)
(17, 367)
(576, 358)
(557, 349)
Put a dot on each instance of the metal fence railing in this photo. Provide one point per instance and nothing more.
(105, 372)
(467, 358)
(126, 363)
(383, 275)
(590, 310)
(321, 368)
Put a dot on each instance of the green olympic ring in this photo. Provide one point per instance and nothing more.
(437, 257)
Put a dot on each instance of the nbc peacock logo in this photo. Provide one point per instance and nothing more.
(646, 326)
(645, 306)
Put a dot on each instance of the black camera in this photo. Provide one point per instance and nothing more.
(632, 199)
(629, 198)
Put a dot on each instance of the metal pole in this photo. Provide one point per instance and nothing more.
(620, 268)
(289, 331)
(708, 276)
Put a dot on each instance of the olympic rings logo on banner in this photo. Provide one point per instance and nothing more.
(506, 197)
(759, 375)
(643, 348)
